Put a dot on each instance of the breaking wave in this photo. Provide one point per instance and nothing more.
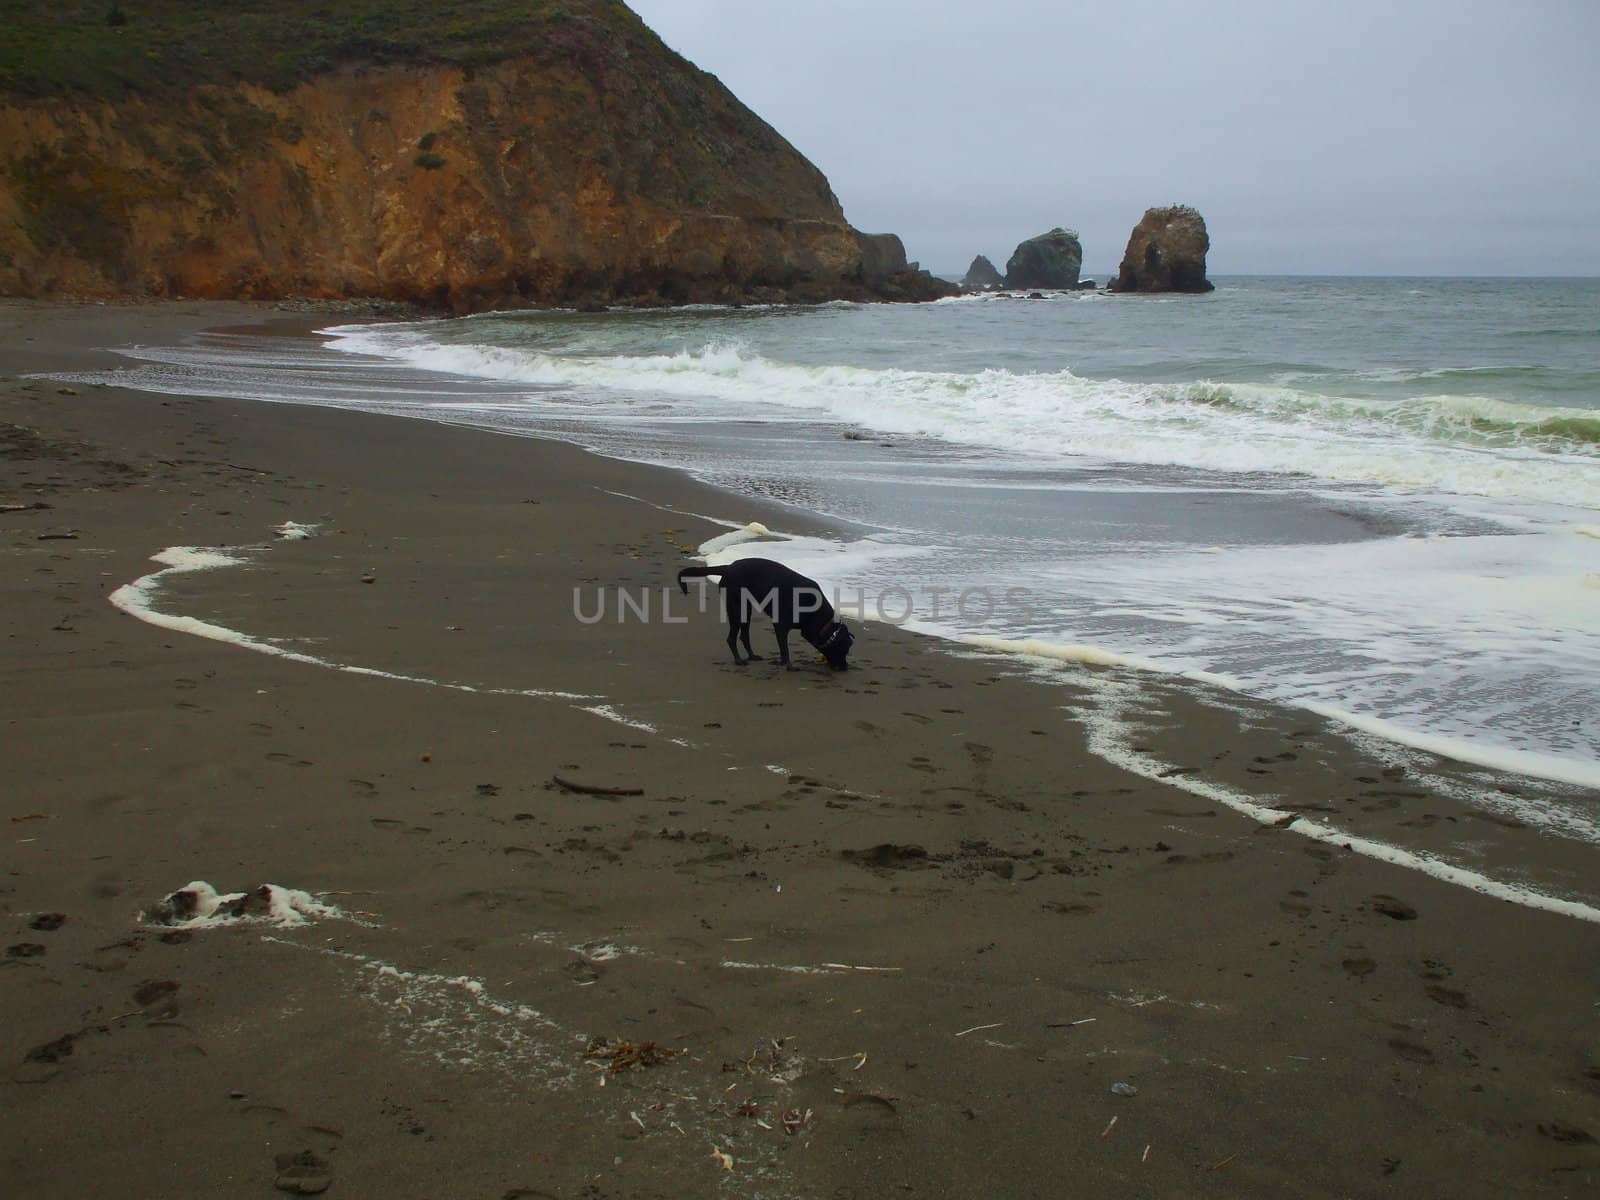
(1451, 443)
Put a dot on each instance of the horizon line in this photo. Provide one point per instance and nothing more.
(1336, 275)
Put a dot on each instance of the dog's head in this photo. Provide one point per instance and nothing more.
(834, 641)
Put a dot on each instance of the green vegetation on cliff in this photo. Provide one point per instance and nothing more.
(455, 153)
(110, 48)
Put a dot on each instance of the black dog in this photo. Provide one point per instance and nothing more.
(754, 585)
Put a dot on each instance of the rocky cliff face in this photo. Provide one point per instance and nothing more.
(1166, 253)
(594, 165)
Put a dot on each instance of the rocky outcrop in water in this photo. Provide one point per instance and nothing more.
(981, 274)
(1050, 260)
(1166, 253)
(553, 154)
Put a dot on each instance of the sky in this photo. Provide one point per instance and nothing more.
(1409, 137)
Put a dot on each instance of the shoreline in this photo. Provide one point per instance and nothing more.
(1008, 875)
(1441, 732)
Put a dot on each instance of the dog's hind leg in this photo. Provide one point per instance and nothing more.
(783, 642)
(738, 625)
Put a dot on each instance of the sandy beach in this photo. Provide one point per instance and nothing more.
(896, 931)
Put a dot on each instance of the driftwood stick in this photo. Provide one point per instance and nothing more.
(589, 789)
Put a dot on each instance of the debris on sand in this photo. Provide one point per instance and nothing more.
(622, 1055)
(794, 1120)
(199, 905)
(980, 1028)
(591, 789)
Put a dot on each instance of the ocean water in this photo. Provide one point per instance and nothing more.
(1375, 498)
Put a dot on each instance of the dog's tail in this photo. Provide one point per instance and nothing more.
(696, 573)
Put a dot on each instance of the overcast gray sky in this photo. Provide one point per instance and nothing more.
(1437, 137)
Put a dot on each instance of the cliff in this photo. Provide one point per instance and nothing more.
(491, 153)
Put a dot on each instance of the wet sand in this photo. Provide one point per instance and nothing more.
(904, 907)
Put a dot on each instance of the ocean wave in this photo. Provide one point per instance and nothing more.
(1455, 444)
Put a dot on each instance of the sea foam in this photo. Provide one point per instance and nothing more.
(1453, 444)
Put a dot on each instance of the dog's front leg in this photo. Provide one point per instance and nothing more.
(783, 643)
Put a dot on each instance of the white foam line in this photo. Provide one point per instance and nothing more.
(606, 951)
(683, 512)
(137, 599)
(755, 531)
(611, 714)
(1106, 723)
(1107, 718)
(1516, 762)
(450, 1012)
(788, 968)
(1421, 768)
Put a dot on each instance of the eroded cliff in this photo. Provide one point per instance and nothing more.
(589, 164)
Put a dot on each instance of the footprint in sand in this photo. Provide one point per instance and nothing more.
(1214, 856)
(114, 957)
(1411, 1051)
(1394, 909)
(1571, 1135)
(302, 1173)
(888, 856)
(1359, 968)
(1327, 864)
(1448, 997)
(158, 998)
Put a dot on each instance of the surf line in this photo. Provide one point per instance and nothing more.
(138, 599)
(1108, 714)
(1107, 722)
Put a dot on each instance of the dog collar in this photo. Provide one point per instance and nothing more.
(830, 633)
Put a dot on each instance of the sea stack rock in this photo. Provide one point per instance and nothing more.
(1166, 253)
(981, 275)
(1050, 260)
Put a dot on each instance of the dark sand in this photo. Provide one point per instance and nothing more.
(1298, 1020)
